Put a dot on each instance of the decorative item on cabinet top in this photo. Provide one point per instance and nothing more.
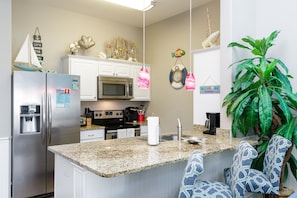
(85, 42)
(213, 38)
(37, 45)
(120, 48)
(26, 58)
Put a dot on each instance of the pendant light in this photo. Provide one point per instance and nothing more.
(143, 79)
(190, 81)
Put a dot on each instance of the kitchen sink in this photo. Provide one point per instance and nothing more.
(171, 137)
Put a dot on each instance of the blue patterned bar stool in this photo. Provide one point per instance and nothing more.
(267, 182)
(192, 187)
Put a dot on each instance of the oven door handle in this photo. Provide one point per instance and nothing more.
(111, 131)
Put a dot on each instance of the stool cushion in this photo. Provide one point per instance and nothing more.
(257, 182)
(211, 189)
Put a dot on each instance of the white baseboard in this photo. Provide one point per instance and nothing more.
(5, 167)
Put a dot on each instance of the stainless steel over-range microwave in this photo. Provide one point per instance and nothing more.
(115, 88)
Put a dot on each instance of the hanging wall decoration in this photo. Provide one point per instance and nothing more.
(178, 72)
(37, 45)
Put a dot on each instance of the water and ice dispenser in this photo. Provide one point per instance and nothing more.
(30, 118)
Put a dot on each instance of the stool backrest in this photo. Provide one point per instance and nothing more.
(240, 167)
(274, 158)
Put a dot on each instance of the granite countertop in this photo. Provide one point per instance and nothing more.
(92, 127)
(116, 157)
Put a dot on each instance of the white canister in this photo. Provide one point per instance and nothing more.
(153, 130)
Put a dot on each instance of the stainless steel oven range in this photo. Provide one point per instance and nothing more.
(115, 125)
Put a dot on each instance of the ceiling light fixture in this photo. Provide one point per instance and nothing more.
(190, 78)
(134, 4)
(143, 79)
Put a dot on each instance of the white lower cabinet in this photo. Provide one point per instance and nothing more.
(79, 182)
(92, 135)
(124, 133)
(143, 130)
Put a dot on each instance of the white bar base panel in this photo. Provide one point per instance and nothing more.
(74, 181)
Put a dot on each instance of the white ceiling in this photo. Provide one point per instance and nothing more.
(99, 8)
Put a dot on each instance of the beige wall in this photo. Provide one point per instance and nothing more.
(5, 69)
(59, 27)
(162, 39)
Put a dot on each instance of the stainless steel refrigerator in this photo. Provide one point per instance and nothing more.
(46, 111)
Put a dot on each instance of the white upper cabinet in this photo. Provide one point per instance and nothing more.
(87, 69)
(113, 69)
(139, 94)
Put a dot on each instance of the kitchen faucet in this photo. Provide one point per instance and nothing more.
(179, 129)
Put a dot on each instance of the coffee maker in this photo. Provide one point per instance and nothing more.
(212, 122)
(131, 114)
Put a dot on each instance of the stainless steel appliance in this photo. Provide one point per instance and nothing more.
(115, 88)
(115, 125)
(131, 114)
(212, 122)
(46, 112)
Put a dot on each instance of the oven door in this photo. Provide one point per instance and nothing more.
(111, 134)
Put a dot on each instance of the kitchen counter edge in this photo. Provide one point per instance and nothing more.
(116, 157)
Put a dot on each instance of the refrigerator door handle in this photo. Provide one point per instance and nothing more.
(49, 119)
(43, 121)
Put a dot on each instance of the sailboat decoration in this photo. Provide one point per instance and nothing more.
(27, 58)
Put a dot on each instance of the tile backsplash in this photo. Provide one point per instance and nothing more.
(110, 105)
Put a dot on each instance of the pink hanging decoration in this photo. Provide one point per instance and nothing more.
(190, 82)
(143, 79)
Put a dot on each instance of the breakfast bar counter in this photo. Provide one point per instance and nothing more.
(113, 163)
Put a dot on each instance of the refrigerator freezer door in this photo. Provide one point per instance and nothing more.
(63, 93)
(28, 152)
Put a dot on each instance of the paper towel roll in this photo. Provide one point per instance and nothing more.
(153, 130)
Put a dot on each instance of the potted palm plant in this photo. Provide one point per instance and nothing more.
(262, 99)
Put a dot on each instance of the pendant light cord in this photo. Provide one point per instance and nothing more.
(190, 52)
(143, 39)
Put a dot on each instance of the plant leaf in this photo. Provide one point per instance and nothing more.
(235, 44)
(234, 128)
(293, 166)
(249, 40)
(250, 113)
(265, 110)
(241, 107)
(287, 130)
(283, 105)
(269, 69)
(283, 79)
(238, 100)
